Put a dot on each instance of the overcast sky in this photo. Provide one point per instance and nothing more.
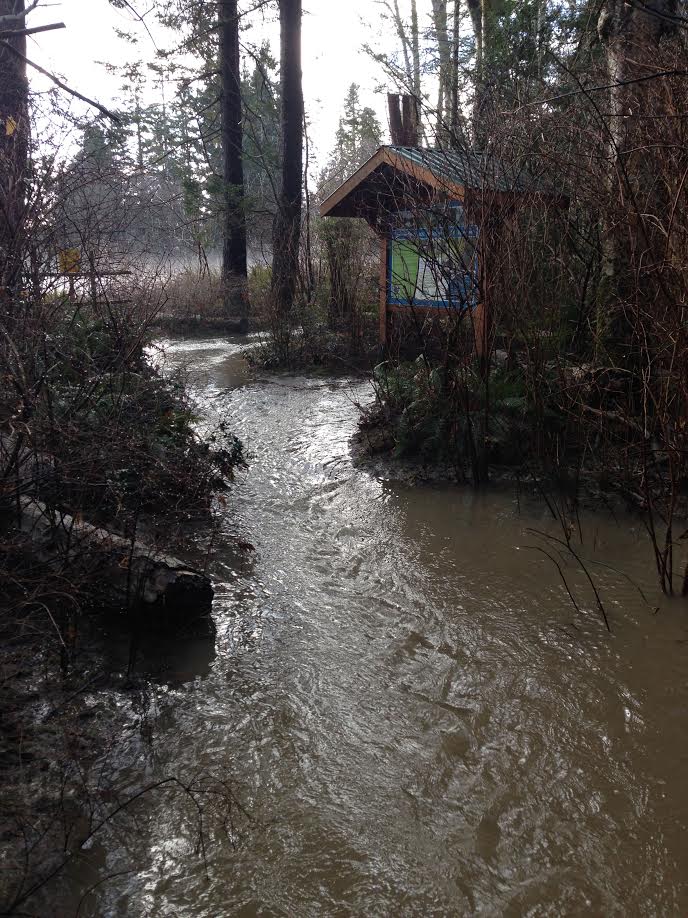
(334, 32)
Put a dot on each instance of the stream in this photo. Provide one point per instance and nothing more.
(409, 712)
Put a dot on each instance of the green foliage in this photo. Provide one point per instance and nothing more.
(437, 413)
(124, 435)
(414, 397)
(259, 284)
(350, 248)
(170, 130)
(359, 135)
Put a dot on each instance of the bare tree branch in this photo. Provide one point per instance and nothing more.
(58, 82)
(18, 33)
(18, 18)
(125, 4)
(586, 90)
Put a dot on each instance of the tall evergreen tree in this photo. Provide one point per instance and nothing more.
(346, 242)
(287, 225)
(358, 137)
(261, 104)
(234, 269)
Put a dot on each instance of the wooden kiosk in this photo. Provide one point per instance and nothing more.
(435, 212)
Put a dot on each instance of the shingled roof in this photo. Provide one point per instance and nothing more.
(451, 171)
(470, 169)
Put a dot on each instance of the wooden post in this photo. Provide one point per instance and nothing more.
(409, 110)
(481, 319)
(403, 119)
(383, 290)
(92, 277)
(480, 329)
(396, 127)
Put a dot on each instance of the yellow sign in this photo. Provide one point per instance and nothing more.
(69, 261)
(10, 126)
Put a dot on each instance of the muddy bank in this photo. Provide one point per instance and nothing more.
(373, 451)
(198, 326)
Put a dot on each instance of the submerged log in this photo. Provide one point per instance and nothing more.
(128, 573)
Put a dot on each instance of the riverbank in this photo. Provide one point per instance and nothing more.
(196, 326)
(307, 344)
(375, 450)
(96, 448)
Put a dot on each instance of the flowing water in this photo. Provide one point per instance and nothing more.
(403, 699)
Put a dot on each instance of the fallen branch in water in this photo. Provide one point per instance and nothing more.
(135, 575)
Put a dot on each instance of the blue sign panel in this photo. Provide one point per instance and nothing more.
(435, 266)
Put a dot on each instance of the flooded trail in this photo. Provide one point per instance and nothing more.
(403, 698)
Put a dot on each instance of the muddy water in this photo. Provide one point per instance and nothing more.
(404, 700)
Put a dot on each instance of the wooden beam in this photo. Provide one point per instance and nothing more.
(383, 289)
(386, 155)
(353, 182)
(14, 33)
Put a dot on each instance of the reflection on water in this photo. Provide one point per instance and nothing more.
(414, 715)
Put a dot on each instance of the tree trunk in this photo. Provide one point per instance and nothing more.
(405, 45)
(410, 45)
(415, 49)
(440, 121)
(234, 266)
(629, 35)
(484, 16)
(484, 101)
(14, 146)
(287, 224)
(456, 132)
(439, 21)
(628, 32)
(310, 270)
(475, 9)
(123, 572)
(540, 38)
(396, 125)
